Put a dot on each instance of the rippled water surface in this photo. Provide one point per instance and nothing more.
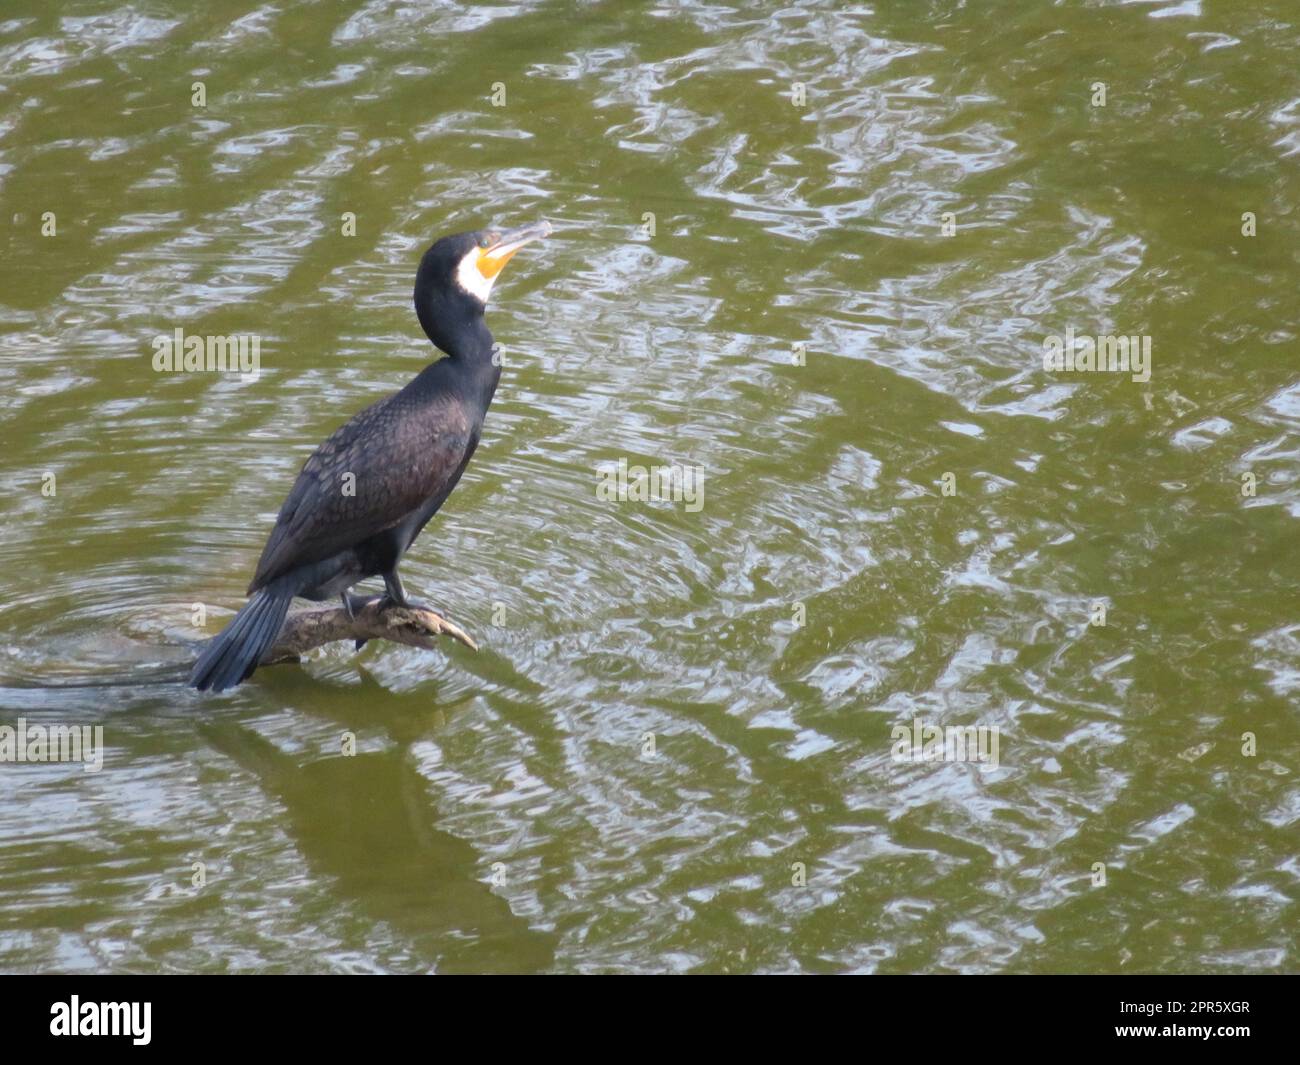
(673, 751)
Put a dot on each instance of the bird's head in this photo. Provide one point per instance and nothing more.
(456, 276)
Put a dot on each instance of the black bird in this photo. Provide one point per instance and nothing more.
(366, 492)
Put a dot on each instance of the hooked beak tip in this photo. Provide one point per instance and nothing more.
(509, 242)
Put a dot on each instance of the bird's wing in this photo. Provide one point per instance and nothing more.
(369, 475)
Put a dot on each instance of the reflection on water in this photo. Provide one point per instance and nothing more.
(363, 823)
(674, 711)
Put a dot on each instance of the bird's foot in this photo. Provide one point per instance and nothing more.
(386, 601)
(353, 603)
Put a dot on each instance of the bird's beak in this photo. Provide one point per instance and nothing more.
(503, 245)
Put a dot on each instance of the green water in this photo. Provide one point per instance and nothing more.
(673, 751)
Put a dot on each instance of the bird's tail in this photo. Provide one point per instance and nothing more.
(231, 656)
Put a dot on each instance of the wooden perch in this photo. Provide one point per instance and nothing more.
(413, 626)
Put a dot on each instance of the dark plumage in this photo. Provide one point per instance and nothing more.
(364, 495)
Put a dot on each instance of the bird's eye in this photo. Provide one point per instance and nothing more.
(483, 242)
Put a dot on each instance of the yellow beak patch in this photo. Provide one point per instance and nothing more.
(489, 265)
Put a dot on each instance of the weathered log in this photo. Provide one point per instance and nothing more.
(414, 626)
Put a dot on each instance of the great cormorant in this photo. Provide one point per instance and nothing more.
(366, 492)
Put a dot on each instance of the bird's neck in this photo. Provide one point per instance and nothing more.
(470, 357)
(464, 337)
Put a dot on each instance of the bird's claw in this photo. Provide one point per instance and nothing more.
(352, 604)
(387, 601)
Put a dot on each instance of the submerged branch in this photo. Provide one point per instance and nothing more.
(414, 626)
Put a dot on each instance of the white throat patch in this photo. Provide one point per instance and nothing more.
(469, 278)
